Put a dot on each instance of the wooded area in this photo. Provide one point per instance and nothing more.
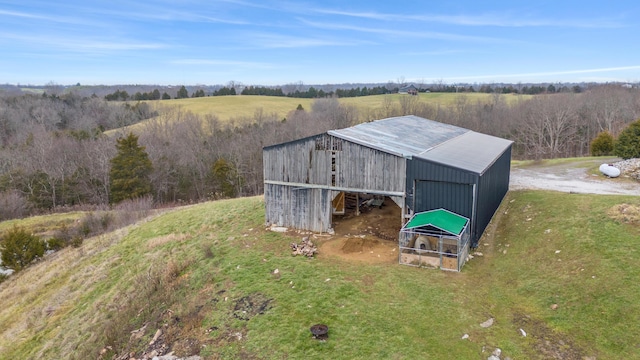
(54, 152)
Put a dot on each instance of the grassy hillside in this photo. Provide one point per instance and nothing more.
(243, 108)
(235, 107)
(205, 276)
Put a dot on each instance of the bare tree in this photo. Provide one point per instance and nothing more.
(548, 126)
(409, 104)
(611, 107)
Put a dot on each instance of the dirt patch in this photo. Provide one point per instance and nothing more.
(548, 344)
(251, 305)
(369, 250)
(370, 237)
(359, 244)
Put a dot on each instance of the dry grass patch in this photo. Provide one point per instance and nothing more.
(161, 240)
(625, 213)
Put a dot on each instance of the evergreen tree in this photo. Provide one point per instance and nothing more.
(20, 248)
(628, 144)
(603, 144)
(130, 170)
(225, 177)
(182, 93)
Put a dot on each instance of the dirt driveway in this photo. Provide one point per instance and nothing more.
(575, 177)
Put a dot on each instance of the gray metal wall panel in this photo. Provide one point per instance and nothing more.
(492, 187)
(419, 169)
(454, 197)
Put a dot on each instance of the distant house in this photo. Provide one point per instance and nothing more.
(411, 90)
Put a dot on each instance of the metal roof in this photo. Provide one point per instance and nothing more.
(471, 151)
(441, 219)
(412, 136)
(405, 136)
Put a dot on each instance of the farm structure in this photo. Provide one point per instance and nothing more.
(435, 238)
(419, 164)
(411, 90)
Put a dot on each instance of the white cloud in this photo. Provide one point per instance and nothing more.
(505, 19)
(215, 62)
(403, 33)
(549, 73)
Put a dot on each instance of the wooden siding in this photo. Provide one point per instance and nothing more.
(365, 168)
(324, 163)
(298, 207)
(330, 161)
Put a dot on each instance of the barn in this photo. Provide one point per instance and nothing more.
(419, 164)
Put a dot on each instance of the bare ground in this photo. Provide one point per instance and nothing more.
(370, 237)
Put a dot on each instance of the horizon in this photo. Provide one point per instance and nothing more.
(275, 43)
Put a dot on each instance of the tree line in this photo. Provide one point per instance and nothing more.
(312, 93)
(54, 152)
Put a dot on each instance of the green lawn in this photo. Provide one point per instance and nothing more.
(205, 274)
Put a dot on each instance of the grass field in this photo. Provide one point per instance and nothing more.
(205, 275)
(242, 109)
(236, 107)
(38, 224)
(227, 108)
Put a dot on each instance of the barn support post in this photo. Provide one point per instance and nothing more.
(403, 212)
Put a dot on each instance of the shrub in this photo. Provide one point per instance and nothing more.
(628, 144)
(602, 145)
(56, 243)
(19, 249)
(76, 241)
(94, 224)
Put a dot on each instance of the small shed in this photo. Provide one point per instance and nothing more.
(419, 164)
(435, 238)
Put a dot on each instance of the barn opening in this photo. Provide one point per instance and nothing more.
(368, 214)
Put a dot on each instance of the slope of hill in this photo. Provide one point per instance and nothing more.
(227, 108)
(245, 106)
(210, 280)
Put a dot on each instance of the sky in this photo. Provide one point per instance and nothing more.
(271, 42)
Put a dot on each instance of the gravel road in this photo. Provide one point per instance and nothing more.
(572, 177)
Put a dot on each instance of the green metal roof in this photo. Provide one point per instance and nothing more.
(441, 219)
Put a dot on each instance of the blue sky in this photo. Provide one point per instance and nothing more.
(317, 42)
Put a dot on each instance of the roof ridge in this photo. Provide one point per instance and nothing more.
(444, 142)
